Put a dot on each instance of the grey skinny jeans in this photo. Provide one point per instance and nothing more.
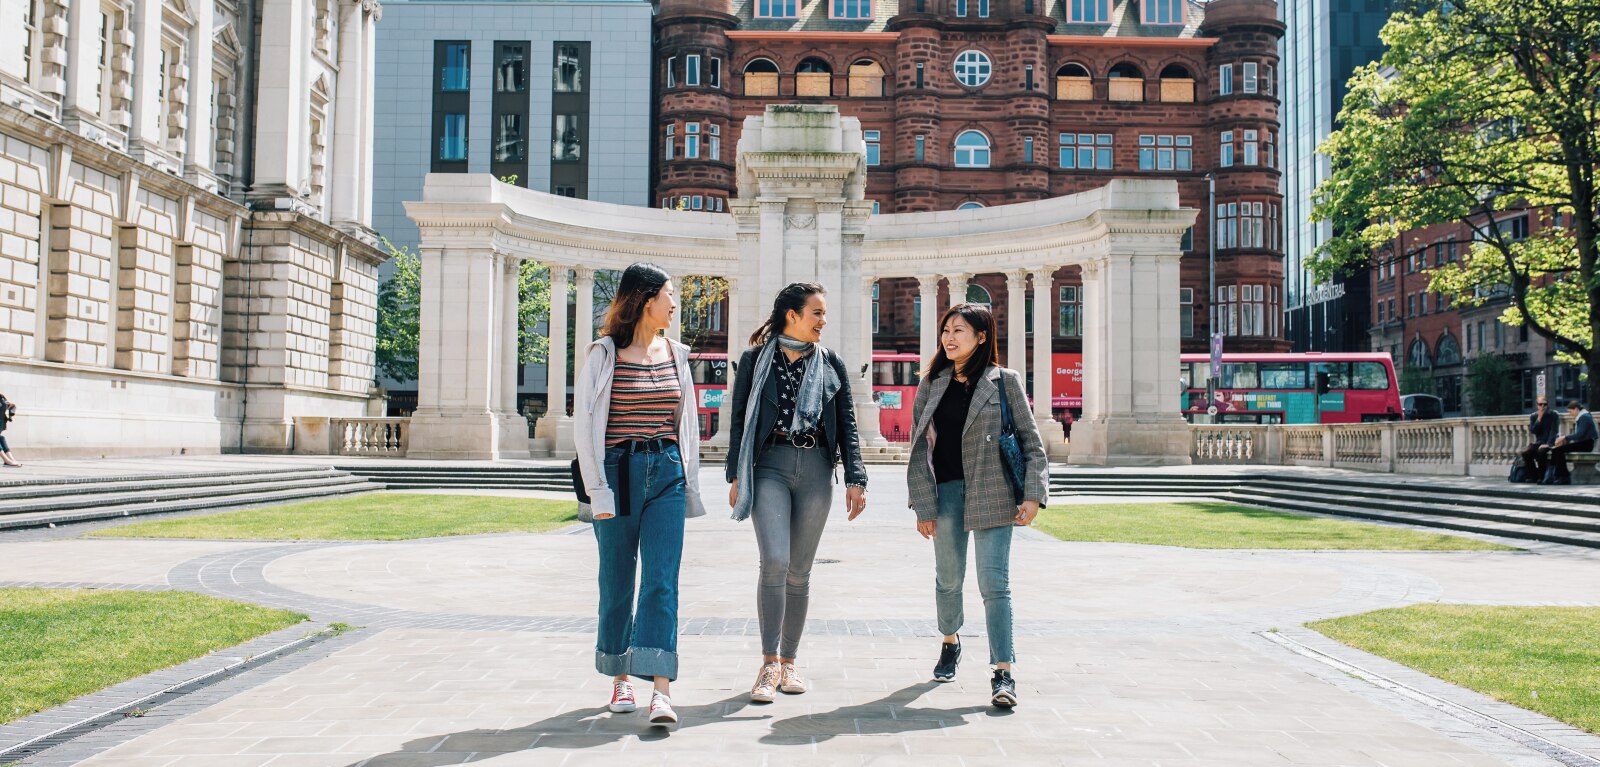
(794, 490)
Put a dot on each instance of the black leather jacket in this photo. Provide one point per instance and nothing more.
(841, 442)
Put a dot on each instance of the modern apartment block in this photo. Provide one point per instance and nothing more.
(186, 256)
(1323, 43)
(976, 103)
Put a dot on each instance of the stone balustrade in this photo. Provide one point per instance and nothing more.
(321, 435)
(1458, 446)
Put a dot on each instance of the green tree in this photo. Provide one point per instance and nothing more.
(400, 313)
(1492, 386)
(1415, 380)
(1480, 107)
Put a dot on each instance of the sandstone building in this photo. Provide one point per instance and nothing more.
(186, 259)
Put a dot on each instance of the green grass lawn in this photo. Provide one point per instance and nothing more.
(1212, 525)
(1541, 658)
(56, 645)
(370, 517)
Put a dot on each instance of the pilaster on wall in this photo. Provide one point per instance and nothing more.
(23, 169)
(352, 353)
(82, 253)
(197, 297)
(145, 282)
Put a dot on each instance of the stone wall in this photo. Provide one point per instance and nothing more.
(22, 167)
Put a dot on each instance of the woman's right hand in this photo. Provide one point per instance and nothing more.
(733, 494)
(928, 527)
(603, 515)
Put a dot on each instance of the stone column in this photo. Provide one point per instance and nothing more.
(1044, 367)
(674, 328)
(869, 421)
(457, 412)
(282, 100)
(928, 291)
(958, 290)
(584, 316)
(513, 424)
(198, 161)
(344, 177)
(554, 432)
(144, 135)
(1017, 322)
(1130, 359)
(736, 346)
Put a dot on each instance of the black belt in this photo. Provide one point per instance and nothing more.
(802, 441)
(624, 482)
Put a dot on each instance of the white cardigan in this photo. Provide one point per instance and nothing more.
(592, 409)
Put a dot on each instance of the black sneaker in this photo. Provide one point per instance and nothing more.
(1005, 689)
(949, 658)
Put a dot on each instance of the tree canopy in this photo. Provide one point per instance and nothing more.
(1480, 107)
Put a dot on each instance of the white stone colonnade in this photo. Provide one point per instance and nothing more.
(800, 216)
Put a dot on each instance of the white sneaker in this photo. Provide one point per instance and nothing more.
(766, 686)
(792, 683)
(622, 701)
(661, 710)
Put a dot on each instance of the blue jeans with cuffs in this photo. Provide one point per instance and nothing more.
(641, 642)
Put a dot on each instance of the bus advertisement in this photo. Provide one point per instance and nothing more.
(1282, 388)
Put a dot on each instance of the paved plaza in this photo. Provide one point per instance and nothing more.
(479, 649)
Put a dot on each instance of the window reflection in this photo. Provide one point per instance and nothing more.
(566, 144)
(569, 69)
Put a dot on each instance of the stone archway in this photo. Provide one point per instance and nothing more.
(800, 215)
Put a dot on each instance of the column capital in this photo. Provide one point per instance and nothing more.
(584, 274)
(868, 280)
(958, 276)
(928, 283)
(1017, 279)
(1042, 273)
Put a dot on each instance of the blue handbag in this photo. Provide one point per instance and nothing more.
(1011, 458)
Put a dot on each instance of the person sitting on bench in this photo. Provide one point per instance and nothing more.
(1581, 440)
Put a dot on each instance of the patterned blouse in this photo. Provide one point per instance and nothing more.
(644, 399)
(789, 376)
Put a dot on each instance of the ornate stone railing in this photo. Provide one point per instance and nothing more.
(387, 437)
(1471, 446)
(321, 435)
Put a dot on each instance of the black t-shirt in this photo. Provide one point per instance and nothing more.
(949, 420)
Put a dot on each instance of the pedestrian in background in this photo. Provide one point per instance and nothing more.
(793, 419)
(8, 413)
(959, 484)
(638, 443)
(1545, 426)
(1581, 440)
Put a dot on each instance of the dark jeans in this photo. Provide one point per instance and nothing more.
(1534, 461)
(642, 642)
(1558, 456)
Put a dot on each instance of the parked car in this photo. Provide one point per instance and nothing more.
(1421, 407)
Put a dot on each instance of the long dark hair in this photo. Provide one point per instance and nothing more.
(791, 299)
(987, 353)
(640, 283)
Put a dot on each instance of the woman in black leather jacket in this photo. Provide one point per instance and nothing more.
(793, 419)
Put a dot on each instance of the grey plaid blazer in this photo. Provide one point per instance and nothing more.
(989, 501)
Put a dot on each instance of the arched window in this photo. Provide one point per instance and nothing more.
(970, 205)
(866, 79)
(972, 150)
(1418, 357)
(760, 78)
(978, 294)
(813, 78)
(1126, 83)
(1449, 351)
(1073, 83)
(1177, 84)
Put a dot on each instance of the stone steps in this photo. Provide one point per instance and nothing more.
(46, 503)
(556, 479)
(1523, 512)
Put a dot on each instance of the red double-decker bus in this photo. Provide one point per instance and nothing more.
(894, 386)
(1282, 388)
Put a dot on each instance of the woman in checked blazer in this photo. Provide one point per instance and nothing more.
(959, 487)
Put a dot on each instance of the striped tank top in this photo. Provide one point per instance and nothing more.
(644, 399)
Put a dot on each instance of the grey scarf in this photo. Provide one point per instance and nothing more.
(821, 382)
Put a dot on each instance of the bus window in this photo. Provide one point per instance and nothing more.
(1199, 373)
(1370, 375)
(1240, 375)
(1338, 374)
(713, 372)
(1283, 375)
(890, 373)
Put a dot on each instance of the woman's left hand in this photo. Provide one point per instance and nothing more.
(1026, 512)
(855, 501)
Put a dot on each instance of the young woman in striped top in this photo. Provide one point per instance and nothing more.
(638, 445)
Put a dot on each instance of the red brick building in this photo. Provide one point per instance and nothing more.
(988, 102)
(1427, 332)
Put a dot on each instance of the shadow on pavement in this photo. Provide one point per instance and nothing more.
(583, 728)
(885, 716)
